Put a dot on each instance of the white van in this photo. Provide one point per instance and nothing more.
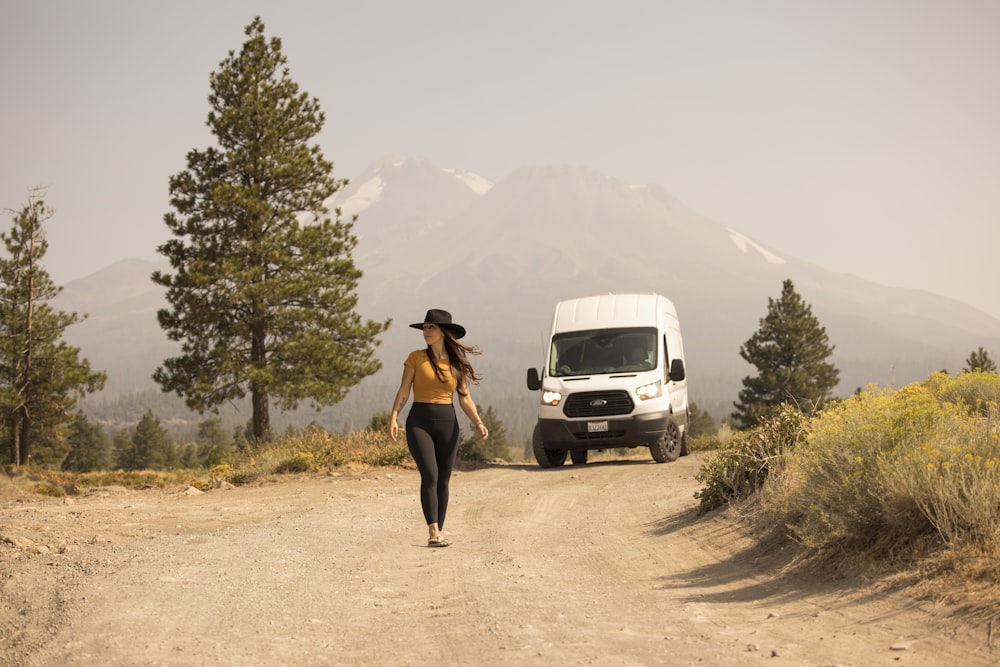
(614, 377)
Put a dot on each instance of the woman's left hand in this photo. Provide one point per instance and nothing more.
(483, 431)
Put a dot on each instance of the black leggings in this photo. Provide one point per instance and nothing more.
(432, 438)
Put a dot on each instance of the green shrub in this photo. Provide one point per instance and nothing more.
(53, 490)
(333, 456)
(297, 463)
(391, 455)
(243, 477)
(744, 462)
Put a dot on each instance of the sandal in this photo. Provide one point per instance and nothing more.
(438, 541)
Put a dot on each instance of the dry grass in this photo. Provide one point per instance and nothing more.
(962, 578)
(313, 451)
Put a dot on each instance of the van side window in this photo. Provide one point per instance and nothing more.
(666, 359)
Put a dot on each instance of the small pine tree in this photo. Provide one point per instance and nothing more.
(213, 441)
(148, 448)
(41, 376)
(495, 446)
(790, 352)
(979, 361)
(89, 446)
(379, 421)
(700, 422)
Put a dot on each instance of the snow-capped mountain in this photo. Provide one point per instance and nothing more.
(499, 255)
(398, 199)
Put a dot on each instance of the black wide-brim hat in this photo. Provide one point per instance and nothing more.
(442, 318)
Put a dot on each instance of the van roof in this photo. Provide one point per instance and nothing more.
(609, 310)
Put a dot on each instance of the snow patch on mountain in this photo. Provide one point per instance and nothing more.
(476, 183)
(367, 194)
(745, 244)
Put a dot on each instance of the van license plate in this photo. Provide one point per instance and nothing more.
(597, 427)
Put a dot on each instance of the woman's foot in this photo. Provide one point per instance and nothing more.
(438, 541)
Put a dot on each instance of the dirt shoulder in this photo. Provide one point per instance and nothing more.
(602, 564)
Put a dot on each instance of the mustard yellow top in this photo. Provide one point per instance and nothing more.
(427, 388)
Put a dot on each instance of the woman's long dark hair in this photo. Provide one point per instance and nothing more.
(458, 359)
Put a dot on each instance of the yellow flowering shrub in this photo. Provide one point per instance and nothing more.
(888, 467)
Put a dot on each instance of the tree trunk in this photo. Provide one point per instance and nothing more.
(15, 448)
(259, 397)
(24, 439)
(261, 418)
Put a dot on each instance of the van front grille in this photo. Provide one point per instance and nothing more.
(598, 404)
(606, 435)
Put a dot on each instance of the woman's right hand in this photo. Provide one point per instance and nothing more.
(393, 430)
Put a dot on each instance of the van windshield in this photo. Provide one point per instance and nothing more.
(603, 351)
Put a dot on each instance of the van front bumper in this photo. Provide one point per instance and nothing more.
(630, 431)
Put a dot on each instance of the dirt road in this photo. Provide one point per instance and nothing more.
(605, 564)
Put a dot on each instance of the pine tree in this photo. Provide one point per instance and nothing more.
(122, 449)
(379, 421)
(41, 377)
(148, 448)
(979, 361)
(789, 352)
(263, 288)
(473, 448)
(214, 443)
(89, 446)
(699, 422)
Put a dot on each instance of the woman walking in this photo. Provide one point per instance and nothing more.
(435, 374)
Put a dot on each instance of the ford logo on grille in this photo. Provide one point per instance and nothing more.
(598, 403)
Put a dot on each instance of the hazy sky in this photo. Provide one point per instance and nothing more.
(860, 135)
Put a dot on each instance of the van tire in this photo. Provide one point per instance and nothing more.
(547, 458)
(668, 447)
(579, 456)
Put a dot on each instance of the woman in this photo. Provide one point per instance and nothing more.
(435, 374)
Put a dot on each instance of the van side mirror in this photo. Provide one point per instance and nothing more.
(676, 370)
(534, 382)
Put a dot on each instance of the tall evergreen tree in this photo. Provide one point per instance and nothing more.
(263, 289)
(41, 377)
(148, 448)
(980, 361)
(789, 352)
(89, 446)
(121, 449)
(212, 437)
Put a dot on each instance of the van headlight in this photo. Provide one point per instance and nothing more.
(551, 397)
(648, 391)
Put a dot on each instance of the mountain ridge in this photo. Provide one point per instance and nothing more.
(500, 257)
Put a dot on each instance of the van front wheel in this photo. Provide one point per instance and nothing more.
(547, 458)
(668, 448)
